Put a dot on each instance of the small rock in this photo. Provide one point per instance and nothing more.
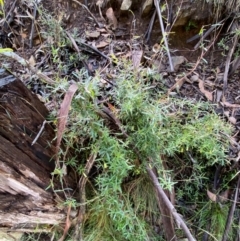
(232, 120)
(93, 34)
(147, 6)
(126, 5)
(159, 65)
(177, 61)
(194, 78)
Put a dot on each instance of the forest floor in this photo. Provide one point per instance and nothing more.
(37, 36)
(29, 41)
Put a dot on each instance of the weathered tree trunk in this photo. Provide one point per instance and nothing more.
(25, 168)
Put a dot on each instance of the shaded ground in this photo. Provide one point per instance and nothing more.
(75, 18)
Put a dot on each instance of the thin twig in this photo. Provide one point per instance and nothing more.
(227, 65)
(150, 26)
(205, 33)
(202, 37)
(25, 63)
(67, 224)
(33, 24)
(95, 50)
(87, 46)
(39, 133)
(156, 2)
(238, 231)
(6, 22)
(84, 6)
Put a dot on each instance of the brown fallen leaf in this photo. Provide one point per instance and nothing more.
(32, 61)
(179, 84)
(137, 56)
(63, 114)
(113, 109)
(112, 20)
(232, 120)
(102, 44)
(212, 196)
(92, 34)
(101, 30)
(207, 93)
(224, 196)
(23, 35)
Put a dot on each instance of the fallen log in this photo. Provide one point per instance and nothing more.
(26, 202)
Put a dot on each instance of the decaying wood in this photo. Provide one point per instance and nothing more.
(25, 168)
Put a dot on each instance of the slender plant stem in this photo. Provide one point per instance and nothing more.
(156, 2)
(230, 215)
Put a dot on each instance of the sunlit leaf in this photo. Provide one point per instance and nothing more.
(5, 49)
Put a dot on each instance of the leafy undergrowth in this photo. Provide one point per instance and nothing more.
(125, 126)
(116, 130)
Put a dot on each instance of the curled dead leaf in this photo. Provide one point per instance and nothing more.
(212, 196)
(99, 3)
(207, 93)
(32, 61)
(178, 84)
(102, 44)
(63, 114)
(232, 120)
(112, 20)
(92, 34)
(223, 196)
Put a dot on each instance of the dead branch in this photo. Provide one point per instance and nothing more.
(82, 191)
(150, 26)
(84, 6)
(25, 63)
(164, 197)
(227, 65)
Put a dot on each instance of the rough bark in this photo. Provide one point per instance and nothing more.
(25, 169)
